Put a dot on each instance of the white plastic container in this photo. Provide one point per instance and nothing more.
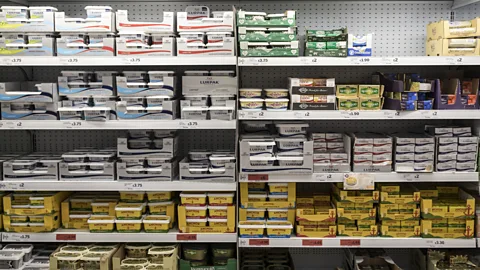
(14, 259)
(220, 161)
(250, 93)
(276, 104)
(290, 144)
(221, 113)
(199, 155)
(96, 12)
(200, 100)
(290, 160)
(74, 76)
(261, 148)
(291, 129)
(262, 161)
(135, 76)
(37, 13)
(251, 104)
(195, 113)
(158, 76)
(15, 12)
(193, 37)
(214, 37)
(156, 101)
(96, 113)
(196, 73)
(140, 143)
(198, 170)
(132, 101)
(276, 93)
(133, 38)
(221, 100)
(27, 249)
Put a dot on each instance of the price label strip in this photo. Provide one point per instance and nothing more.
(351, 114)
(134, 186)
(73, 124)
(132, 61)
(189, 124)
(322, 177)
(259, 242)
(350, 242)
(186, 237)
(312, 242)
(411, 177)
(257, 177)
(66, 237)
(12, 61)
(69, 61)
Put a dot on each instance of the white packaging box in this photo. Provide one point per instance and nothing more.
(335, 167)
(99, 89)
(105, 48)
(404, 166)
(448, 166)
(48, 171)
(168, 111)
(335, 147)
(41, 111)
(384, 148)
(224, 48)
(167, 88)
(226, 174)
(421, 148)
(425, 166)
(429, 156)
(209, 85)
(466, 166)
(320, 147)
(44, 48)
(165, 26)
(382, 158)
(28, 92)
(200, 112)
(468, 156)
(28, 25)
(70, 113)
(104, 24)
(169, 172)
(167, 48)
(246, 167)
(107, 173)
(100, 113)
(446, 157)
(408, 156)
(360, 45)
(440, 131)
(364, 149)
(379, 142)
(462, 131)
(321, 158)
(446, 145)
(224, 24)
(405, 148)
(169, 149)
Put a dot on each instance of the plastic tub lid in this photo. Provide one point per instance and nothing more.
(292, 139)
(193, 195)
(97, 221)
(126, 207)
(291, 124)
(278, 184)
(277, 100)
(278, 196)
(137, 246)
(13, 7)
(220, 108)
(128, 221)
(68, 256)
(216, 170)
(296, 158)
(251, 226)
(252, 100)
(266, 143)
(214, 207)
(161, 72)
(98, 7)
(279, 226)
(163, 220)
(196, 207)
(197, 220)
(158, 97)
(222, 96)
(276, 15)
(197, 96)
(219, 33)
(275, 90)
(256, 209)
(217, 219)
(215, 158)
(255, 13)
(42, 8)
(251, 89)
(214, 194)
(258, 195)
(27, 248)
(80, 216)
(277, 210)
(160, 203)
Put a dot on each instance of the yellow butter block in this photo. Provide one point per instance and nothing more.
(159, 196)
(256, 214)
(156, 223)
(160, 208)
(132, 196)
(251, 229)
(277, 214)
(104, 206)
(275, 188)
(129, 226)
(279, 229)
(129, 210)
(410, 223)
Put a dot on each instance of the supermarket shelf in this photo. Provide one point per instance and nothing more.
(379, 177)
(347, 242)
(358, 115)
(118, 61)
(63, 235)
(41, 185)
(359, 61)
(117, 125)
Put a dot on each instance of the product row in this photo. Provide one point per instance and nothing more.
(129, 95)
(398, 211)
(289, 148)
(405, 92)
(115, 256)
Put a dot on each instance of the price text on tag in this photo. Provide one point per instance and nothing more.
(12, 61)
(189, 124)
(259, 242)
(411, 176)
(73, 124)
(132, 186)
(132, 61)
(258, 177)
(186, 237)
(436, 243)
(312, 243)
(350, 242)
(14, 125)
(322, 177)
(350, 114)
(66, 237)
(69, 61)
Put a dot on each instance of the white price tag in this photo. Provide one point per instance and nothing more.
(15, 186)
(134, 186)
(16, 237)
(390, 61)
(258, 61)
(253, 114)
(310, 60)
(189, 124)
(69, 60)
(358, 181)
(73, 124)
(322, 177)
(436, 243)
(350, 114)
(390, 114)
(132, 61)
(12, 61)
(301, 114)
(411, 176)
(430, 114)
(455, 60)
(360, 60)
(14, 125)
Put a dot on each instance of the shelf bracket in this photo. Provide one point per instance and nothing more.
(462, 3)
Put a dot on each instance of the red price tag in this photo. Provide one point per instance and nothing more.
(259, 242)
(350, 242)
(258, 177)
(186, 237)
(66, 237)
(312, 243)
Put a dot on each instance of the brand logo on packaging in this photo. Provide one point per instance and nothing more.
(208, 82)
(303, 90)
(303, 106)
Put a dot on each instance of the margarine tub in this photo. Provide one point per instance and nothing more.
(36, 219)
(97, 11)
(129, 225)
(156, 255)
(159, 208)
(81, 204)
(251, 229)
(278, 188)
(277, 214)
(251, 104)
(197, 222)
(256, 214)
(257, 196)
(132, 196)
(219, 161)
(18, 219)
(199, 154)
(276, 104)
(220, 198)
(277, 198)
(279, 229)
(217, 222)
(193, 198)
(196, 211)
(290, 160)
(129, 210)
(156, 223)
(137, 250)
(291, 129)
(217, 211)
(250, 93)
(15, 12)
(101, 224)
(135, 262)
(256, 186)
(197, 100)
(221, 100)
(68, 260)
(103, 206)
(159, 196)
(276, 93)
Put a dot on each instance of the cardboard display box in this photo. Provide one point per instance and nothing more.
(184, 228)
(290, 203)
(167, 25)
(50, 222)
(46, 25)
(105, 24)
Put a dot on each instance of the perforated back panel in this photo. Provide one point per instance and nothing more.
(15, 141)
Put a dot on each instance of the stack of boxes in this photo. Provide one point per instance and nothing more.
(147, 156)
(326, 43)
(262, 34)
(267, 211)
(88, 164)
(209, 95)
(445, 38)
(372, 152)
(315, 216)
(312, 94)
(270, 99)
(415, 95)
(87, 95)
(32, 211)
(28, 101)
(145, 38)
(147, 95)
(207, 165)
(360, 97)
(27, 31)
(414, 152)
(447, 212)
(331, 152)
(356, 214)
(398, 211)
(33, 166)
(205, 33)
(456, 149)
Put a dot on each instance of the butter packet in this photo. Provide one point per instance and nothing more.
(369, 90)
(347, 103)
(344, 90)
(371, 104)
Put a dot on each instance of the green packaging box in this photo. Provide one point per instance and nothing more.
(326, 53)
(262, 49)
(327, 35)
(263, 34)
(286, 19)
